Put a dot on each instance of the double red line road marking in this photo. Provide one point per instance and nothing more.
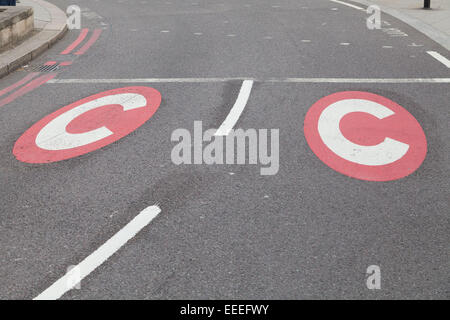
(30, 82)
(30, 86)
(83, 34)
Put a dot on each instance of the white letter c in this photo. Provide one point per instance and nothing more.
(386, 152)
(54, 135)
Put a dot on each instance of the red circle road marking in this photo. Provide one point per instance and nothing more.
(87, 125)
(365, 136)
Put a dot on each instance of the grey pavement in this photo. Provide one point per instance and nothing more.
(41, 14)
(436, 16)
(433, 22)
(225, 231)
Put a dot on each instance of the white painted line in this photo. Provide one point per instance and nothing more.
(147, 80)
(348, 4)
(359, 80)
(237, 109)
(275, 80)
(440, 58)
(82, 270)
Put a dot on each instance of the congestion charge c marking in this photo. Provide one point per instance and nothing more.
(365, 136)
(87, 125)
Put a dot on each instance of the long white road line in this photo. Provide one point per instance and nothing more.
(273, 80)
(361, 80)
(237, 109)
(144, 80)
(439, 58)
(99, 256)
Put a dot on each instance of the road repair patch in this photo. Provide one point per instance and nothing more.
(87, 125)
(365, 136)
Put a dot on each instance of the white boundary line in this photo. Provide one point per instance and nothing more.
(237, 109)
(439, 58)
(144, 80)
(82, 270)
(360, 80)
(273, 80)
(348, 5)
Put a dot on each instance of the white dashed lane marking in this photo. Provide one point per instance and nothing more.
(99, 256)
(439, 58)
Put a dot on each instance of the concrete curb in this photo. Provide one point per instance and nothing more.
(431, 32)
(37, 44)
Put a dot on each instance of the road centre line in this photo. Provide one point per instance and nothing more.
(99, 256)
(440, 58)
(270, 80)
(348, 5)
(237, 109)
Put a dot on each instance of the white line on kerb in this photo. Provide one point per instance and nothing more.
(440, 58)
(237, 109)
(273, 80)
(82, 270)
(348, 4)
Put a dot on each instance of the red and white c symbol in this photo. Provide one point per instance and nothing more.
(365, 136)
(87, 125)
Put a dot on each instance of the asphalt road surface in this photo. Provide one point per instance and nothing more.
(226, 231)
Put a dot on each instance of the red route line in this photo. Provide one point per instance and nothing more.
(94, 37)
(36, 83)
(18, 83)
(75, 44)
